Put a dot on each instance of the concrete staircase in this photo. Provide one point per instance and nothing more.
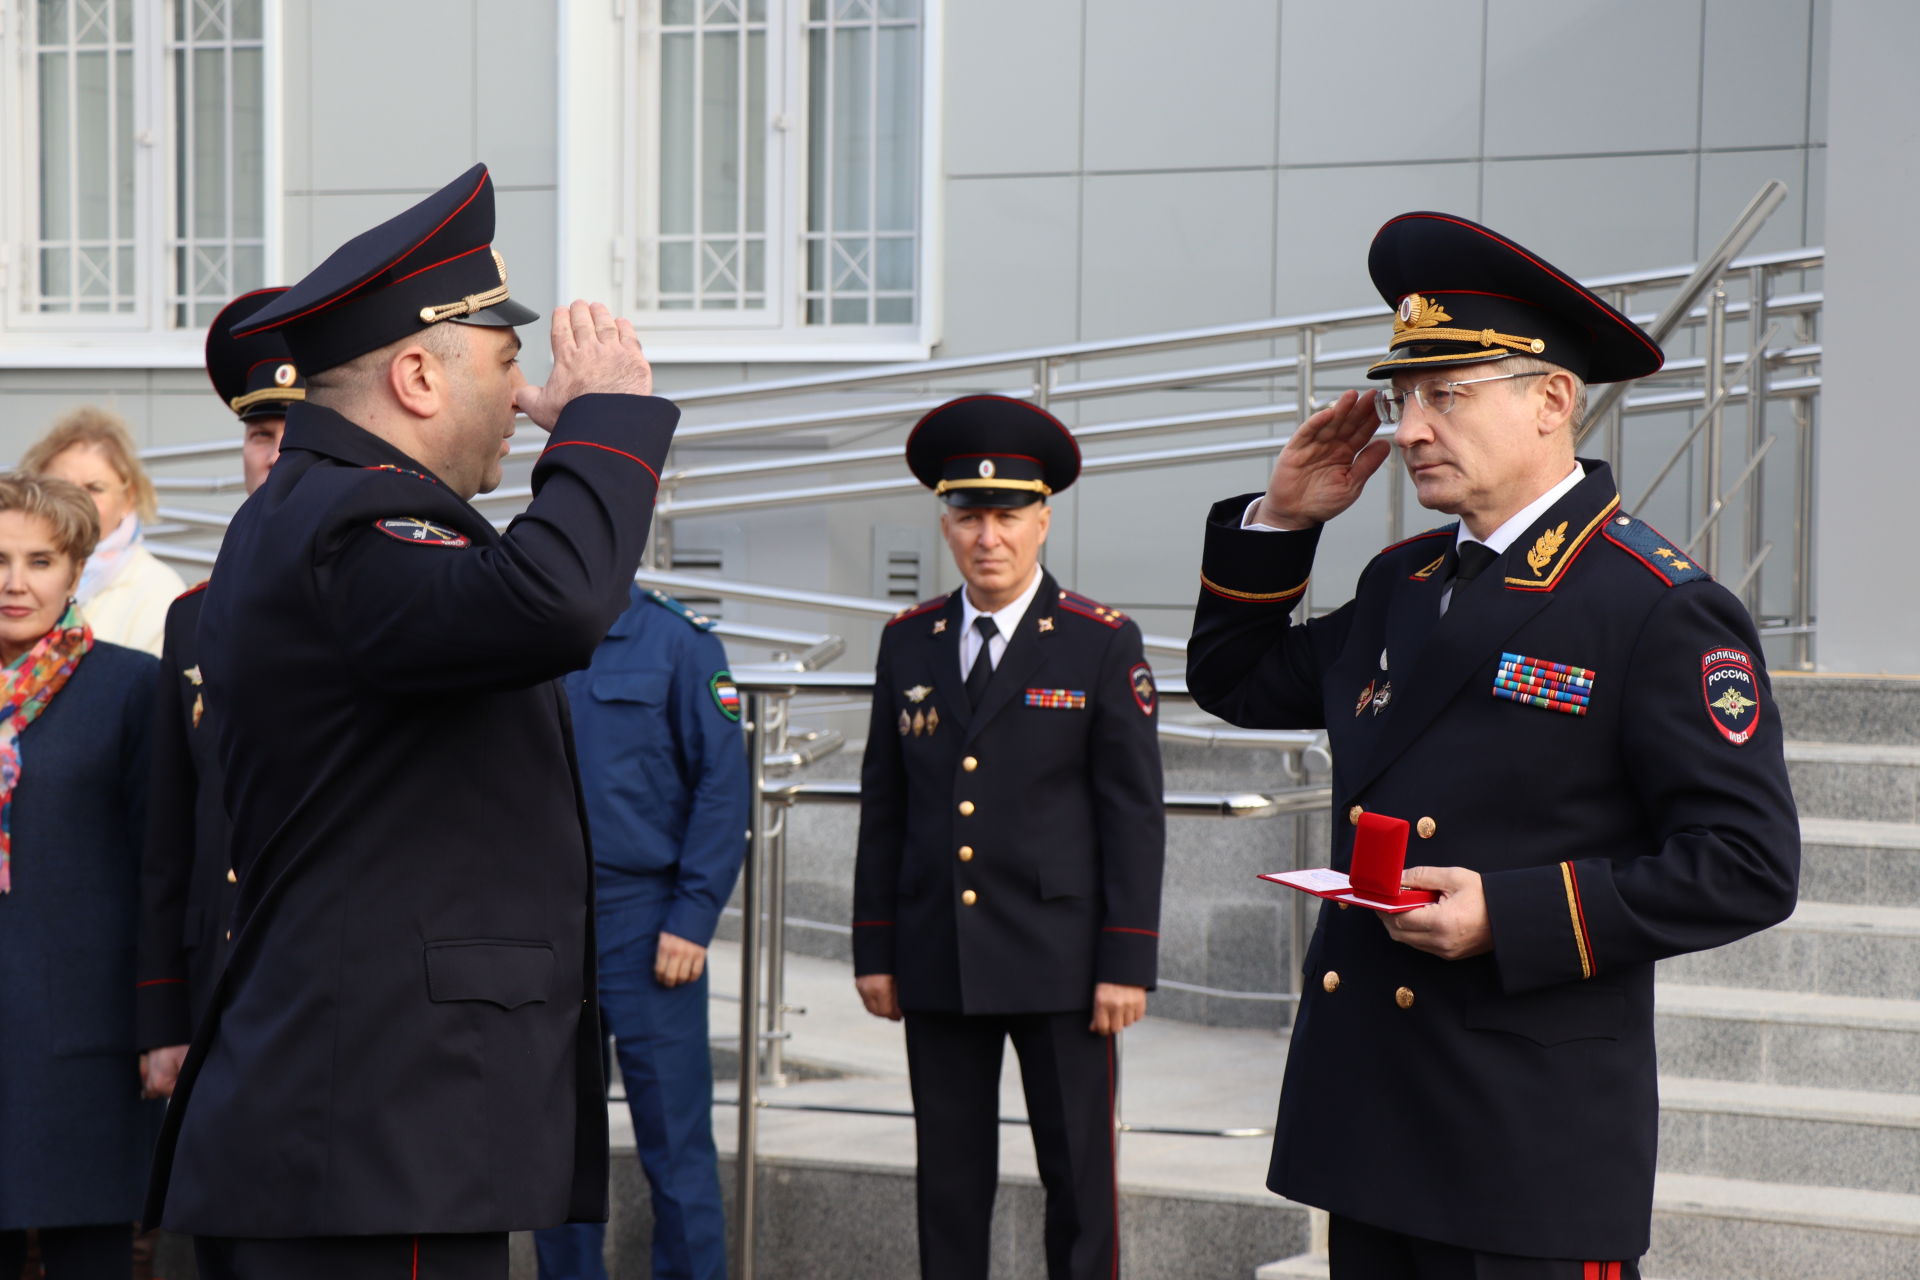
(1790, 1061)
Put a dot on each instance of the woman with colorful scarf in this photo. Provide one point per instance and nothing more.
(124, 589)
(75, 1136)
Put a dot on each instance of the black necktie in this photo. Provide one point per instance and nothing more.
(982, 669)
(1474, 557)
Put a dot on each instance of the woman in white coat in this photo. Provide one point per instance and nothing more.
(124, 590)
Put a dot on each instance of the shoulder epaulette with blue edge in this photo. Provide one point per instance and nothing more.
(1664, 559)
(1088, 607)
(694, 618)
(914, 611)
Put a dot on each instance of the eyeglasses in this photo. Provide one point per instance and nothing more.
(1434, 395)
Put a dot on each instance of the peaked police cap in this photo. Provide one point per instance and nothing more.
(256, 375)
(431, 263)
(1464, 294)
(992, 451)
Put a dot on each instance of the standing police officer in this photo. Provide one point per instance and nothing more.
(188, 885)
(657, 722)
(1575, 719)
(401, 1061)
(1012, 831)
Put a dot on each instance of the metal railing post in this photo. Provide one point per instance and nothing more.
(774, 878)
(1303, 371)
(1616, 418)
(747, 1148)
(1757, 329)
(1716, 374)
(1803, 537)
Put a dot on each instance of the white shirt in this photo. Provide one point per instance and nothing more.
(1522, 520)
(1006, 619)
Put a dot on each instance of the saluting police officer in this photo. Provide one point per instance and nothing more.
(400, 1063)
(187, 881)
(1577, 722)
(1012, 832)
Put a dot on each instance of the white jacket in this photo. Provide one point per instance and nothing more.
(132, 608)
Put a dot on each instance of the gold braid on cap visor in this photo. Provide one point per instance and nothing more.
(240, 404)
(472, 302)
(1034, 486)
(1406, 337)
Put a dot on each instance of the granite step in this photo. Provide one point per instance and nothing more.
(1856, 860)
(1855, 1139)
(1788, 1037)
(1880, 710)
(1872, 781)
(1842, 949)
(1313, 1266)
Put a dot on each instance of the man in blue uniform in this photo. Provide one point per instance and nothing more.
(401, 1061)
(1012, 834)
(656, 719)
(187, 882)
(1575, 720)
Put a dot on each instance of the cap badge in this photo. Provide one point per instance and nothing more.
(1417, 312)
(285, 375)
(986, 468)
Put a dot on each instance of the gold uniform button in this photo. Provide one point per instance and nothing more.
(1330, 983)
(969, 897)
(1353, 815)
(1404, 997)
(232, 878)
(970, 764)
(966, 853)
(229, 935)
(1426, 827)
(1343, 905)
(966, 808)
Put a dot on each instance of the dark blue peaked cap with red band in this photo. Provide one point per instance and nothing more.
(992, 451)
(1464, 294)
(432, 263)
(256, 375)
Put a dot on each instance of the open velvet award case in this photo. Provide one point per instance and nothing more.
(1379, 856)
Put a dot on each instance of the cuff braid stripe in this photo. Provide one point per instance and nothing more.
(1254, 597)
(1578, 918)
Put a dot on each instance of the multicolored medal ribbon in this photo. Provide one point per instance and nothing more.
(1552, 686)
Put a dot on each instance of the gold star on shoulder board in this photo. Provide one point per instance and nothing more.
(919, 693)
(939, 625)
(1046, 624)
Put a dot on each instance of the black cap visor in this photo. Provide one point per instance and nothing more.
(504, 314)
(1003, 498)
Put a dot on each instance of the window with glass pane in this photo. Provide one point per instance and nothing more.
(215, 59)
(84, 250)
(863, 161)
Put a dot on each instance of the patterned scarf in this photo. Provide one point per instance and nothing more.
(108, 558)
(27, 685)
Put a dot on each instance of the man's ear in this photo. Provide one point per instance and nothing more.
(1046, 521)
(417, 380)
(1556, 402)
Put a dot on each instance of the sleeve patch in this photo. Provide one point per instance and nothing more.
(1732, 693)
(1140, 677)
(424, 533)
(726, 695)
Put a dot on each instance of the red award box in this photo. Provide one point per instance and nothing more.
(1379, 857)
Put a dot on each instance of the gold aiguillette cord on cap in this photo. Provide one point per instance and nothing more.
(1034, 485)
(1485, 337)
(472, 302)
(240, 404)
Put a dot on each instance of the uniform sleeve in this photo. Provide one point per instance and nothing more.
(1725, 853)
(1130, 817)
(883, 832)
(160, 1007)
(717, 809)
(431, 617)
(1247, 662)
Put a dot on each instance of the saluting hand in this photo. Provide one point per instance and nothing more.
(593, 352)
(1454, 927)
(1326, 463)
(1116, 1007)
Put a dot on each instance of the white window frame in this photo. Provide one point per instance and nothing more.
(608, 139)
(144, 339)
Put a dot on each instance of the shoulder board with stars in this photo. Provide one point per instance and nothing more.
(699, 621)
(422, 533)
(1087, 607)
(1663, 558)
(914, 611)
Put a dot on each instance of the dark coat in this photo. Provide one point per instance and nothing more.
(404, 1039)
(1507, 1102)
(187, 885)
(74, 1134)
(1065, 838)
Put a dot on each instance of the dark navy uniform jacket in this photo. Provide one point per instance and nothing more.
(663, 764)
(405, 1039)
(1010, 857)
(1507, 1102)
(187, 884)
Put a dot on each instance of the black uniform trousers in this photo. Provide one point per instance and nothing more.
(1071, 1079)
(1360, 1252)
(72, 1253)
(481, 1256)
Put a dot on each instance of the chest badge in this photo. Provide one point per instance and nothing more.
(1551, 686)
(423, 533)
(1382, 696)
(199, 701)
(919, 693)
(1365, 699)
(1057, 699)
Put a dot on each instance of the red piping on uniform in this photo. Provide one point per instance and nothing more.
(195, 589)
(1513, 248)
(416, 1258)
(1637, 556)
(1445, 530)
(1113, 1155)
(156, 982)
(588, 444)
(321, 306)
(873, 924)
(1586, 934)
(1114, 928)
(919, 609)
(1022, 456)
(1071, 442)
(1480, 293)
(443, 262)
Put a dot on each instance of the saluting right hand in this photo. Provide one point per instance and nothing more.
(593, 352)
(1325, 465)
